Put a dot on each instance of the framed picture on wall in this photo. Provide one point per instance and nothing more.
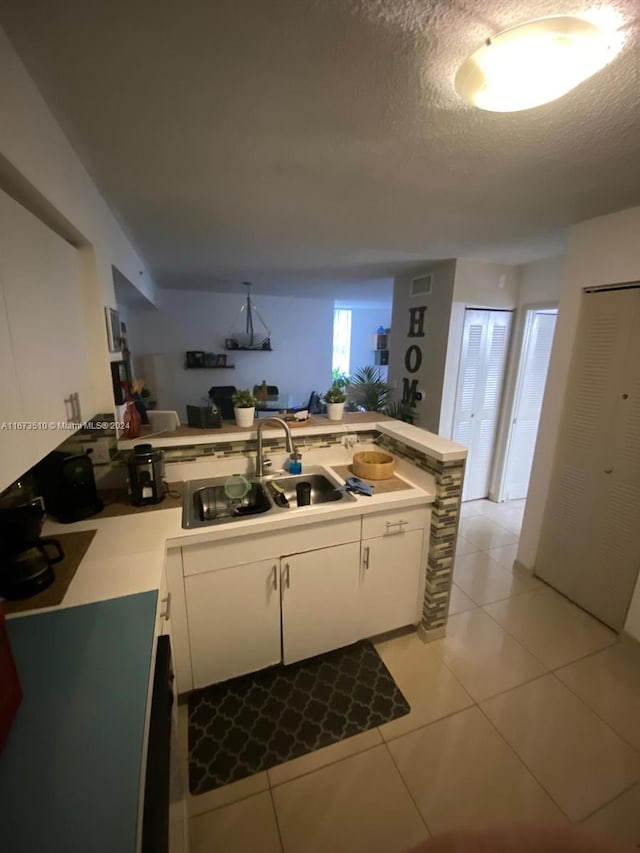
(113, 329)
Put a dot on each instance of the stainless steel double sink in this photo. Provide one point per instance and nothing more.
(206, 502)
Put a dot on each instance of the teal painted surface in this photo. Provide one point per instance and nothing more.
(70, 770)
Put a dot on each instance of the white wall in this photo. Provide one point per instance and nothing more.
(433, 345)
(34, 144)
(478, 284)
(301, 337)
(364, 325)
(601, 251)
(541, 281)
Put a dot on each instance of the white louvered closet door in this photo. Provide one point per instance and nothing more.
(484, 350)
(529, 393)
(590, 539)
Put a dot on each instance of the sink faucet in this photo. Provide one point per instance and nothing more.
(263, 462)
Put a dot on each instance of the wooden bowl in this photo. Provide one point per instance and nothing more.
(373, 465)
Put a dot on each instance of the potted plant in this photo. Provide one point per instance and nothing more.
(334, 398)
(368, 390)
(244, 407)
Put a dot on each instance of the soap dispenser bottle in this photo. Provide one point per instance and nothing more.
(295, 465)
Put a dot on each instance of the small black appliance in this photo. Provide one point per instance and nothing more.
(68, 486)
(26, 565)
(146, 475)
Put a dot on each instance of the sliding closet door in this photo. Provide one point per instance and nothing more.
(479, 393)
(590, 540)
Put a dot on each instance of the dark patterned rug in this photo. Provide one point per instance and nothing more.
(254, 722)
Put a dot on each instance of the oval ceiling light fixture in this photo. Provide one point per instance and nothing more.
(533, 63)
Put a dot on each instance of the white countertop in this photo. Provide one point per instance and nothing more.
(127, 553)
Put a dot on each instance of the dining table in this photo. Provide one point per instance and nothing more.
(281, 403)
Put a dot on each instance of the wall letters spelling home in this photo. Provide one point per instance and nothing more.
(413, 355)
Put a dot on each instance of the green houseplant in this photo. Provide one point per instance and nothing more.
(244, 407)
(334, 398)
(368, 390)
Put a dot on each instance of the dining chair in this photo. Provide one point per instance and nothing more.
(272, 391)
(221, 395)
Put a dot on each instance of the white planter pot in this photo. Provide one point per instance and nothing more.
(335, 411)
(244, 417)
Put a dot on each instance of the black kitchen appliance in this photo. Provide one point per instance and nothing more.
(68, 486)
(146, 475)
(26, 563)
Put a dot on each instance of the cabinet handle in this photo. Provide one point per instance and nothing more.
(164, 614)
(274, 579)
(365, 559)
(398, 524)
(287, 579)
(608, 470)
(69, 408)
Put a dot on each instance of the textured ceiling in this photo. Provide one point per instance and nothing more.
(304, 145)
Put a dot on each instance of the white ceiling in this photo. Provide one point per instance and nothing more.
(318, 145)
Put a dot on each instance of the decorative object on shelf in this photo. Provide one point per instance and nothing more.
(382, 339)
(113, 329)
(334, 399)
(244, 407)
(141, 397)
(250, 332)
(198, 360)
(131, 420)
(194, 358)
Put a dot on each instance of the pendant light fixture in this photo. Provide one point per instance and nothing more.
(249, 332)
(534, 63)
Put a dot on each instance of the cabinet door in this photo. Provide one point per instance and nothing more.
(41, 281)
(320, 598)
(234, 621)
(13, 455)
(390, 582)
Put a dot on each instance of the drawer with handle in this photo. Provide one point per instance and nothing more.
(394, 522)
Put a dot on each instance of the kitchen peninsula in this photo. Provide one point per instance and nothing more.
(151, 553)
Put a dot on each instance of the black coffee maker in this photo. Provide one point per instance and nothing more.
(146, 475)
(26, 560)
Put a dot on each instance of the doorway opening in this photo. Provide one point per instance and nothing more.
(524, 404)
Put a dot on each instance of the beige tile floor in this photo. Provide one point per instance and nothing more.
(528, 710)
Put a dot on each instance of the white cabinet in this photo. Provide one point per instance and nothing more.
(392, 569)
(234, 620)
(13, 450)
(390, 582)
(320, 598)
(234, 612)
(43, 308)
